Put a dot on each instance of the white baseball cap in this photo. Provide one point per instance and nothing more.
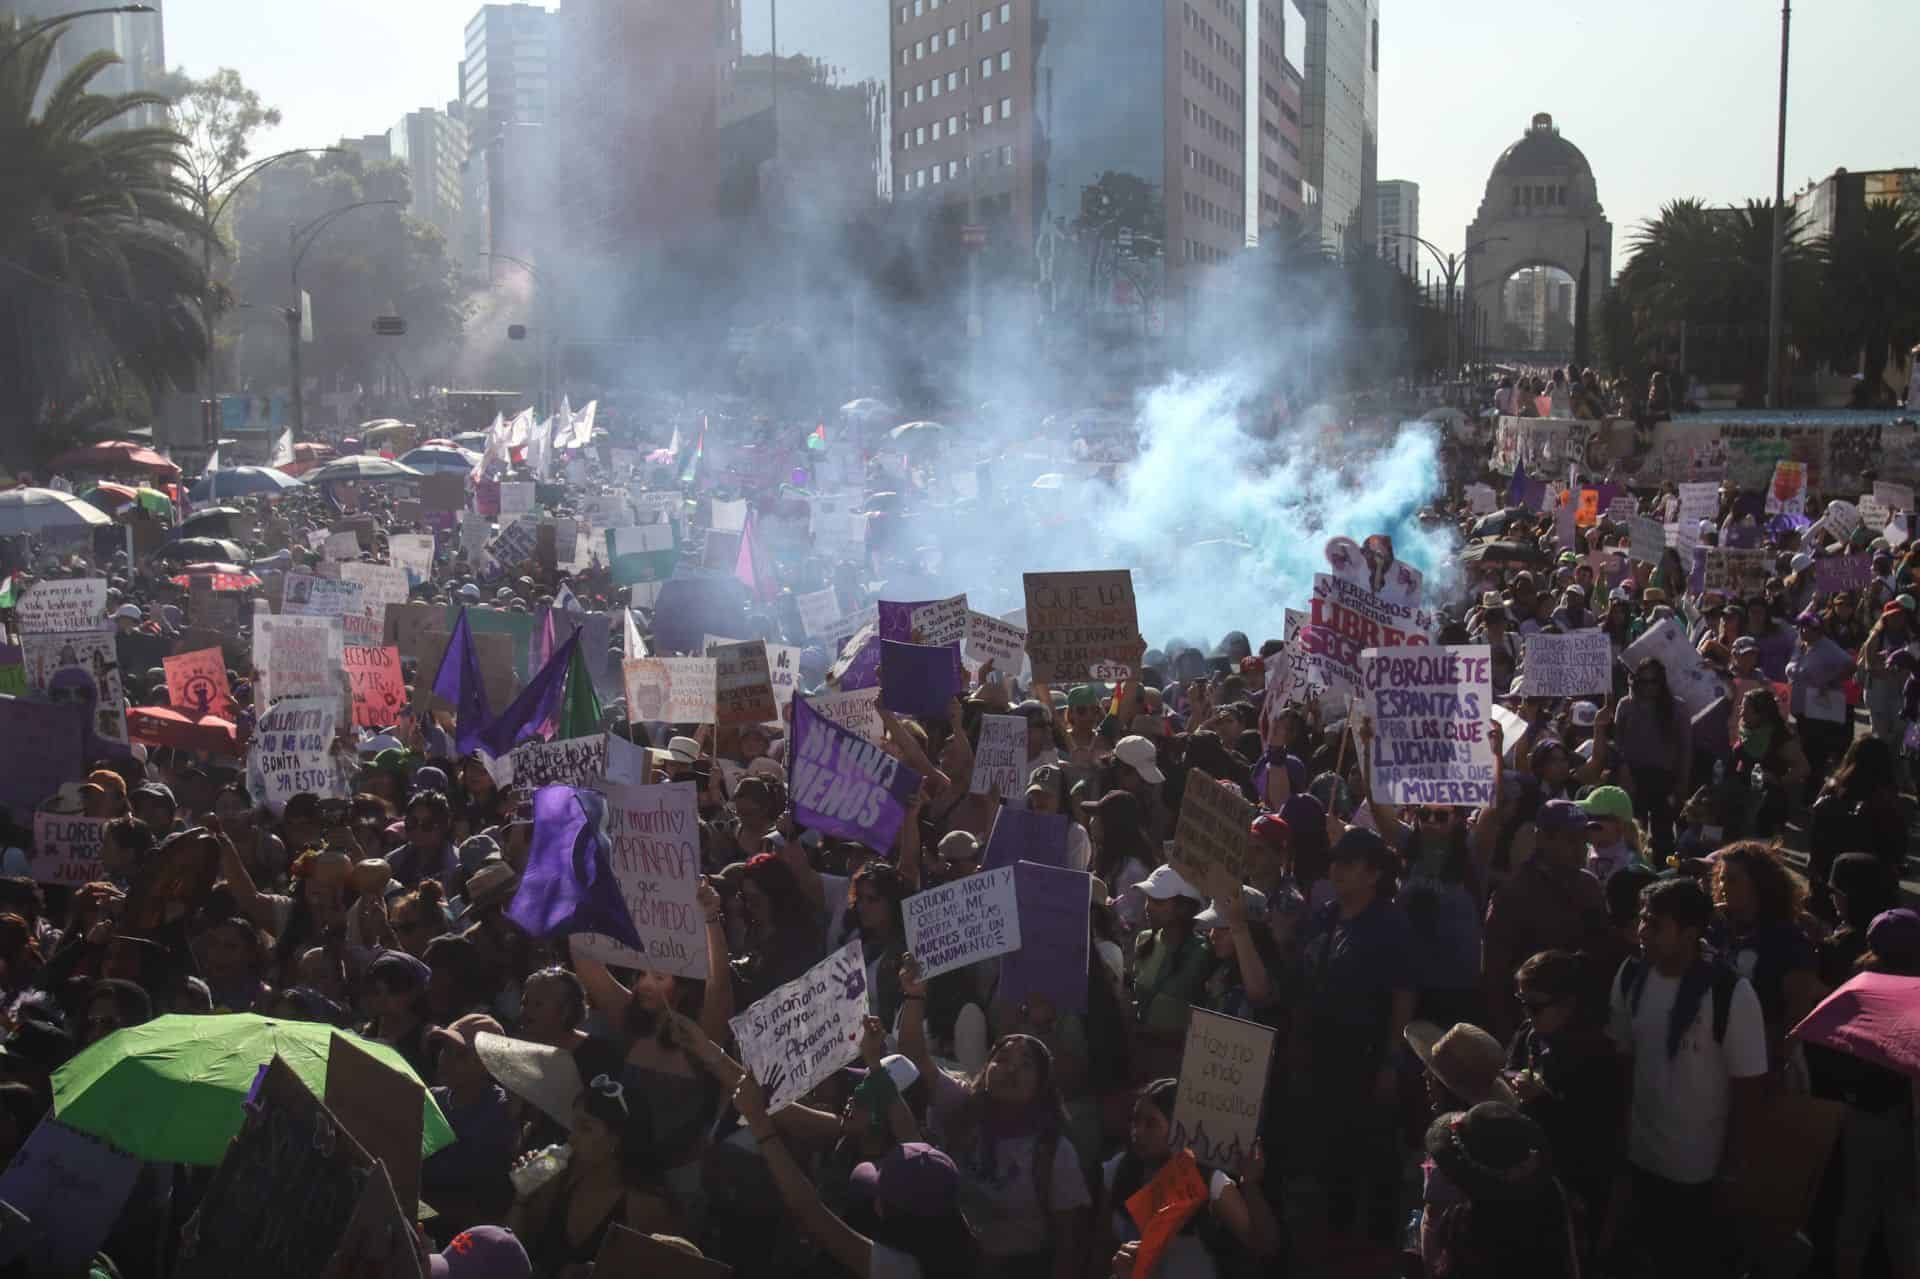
(1167, 882)
(1139, 754)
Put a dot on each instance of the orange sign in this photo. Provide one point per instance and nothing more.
(1163, 1207)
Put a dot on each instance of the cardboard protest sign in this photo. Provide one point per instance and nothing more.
(1214, 820)
(857, 710)
(1844, 517)
(1481, 499)
(1223, 1078)
(281, 1199)
(380, 585)
(743, 686)
(940, 623)
(1648, 539)
(1000, 759)
(79, 666)
(379, 1236)
(383, 1110)
(845, 785)
(42, 745)
(304, 595)
(197, 683)
(1694, 686)
(729, 517)
(413, 555)
(297, 657)
(1895, 497)
(378, 688)
(292, 753)
(1077, 619)
(70, 1187)
(677, 690)
(1428, 707)
(570, 761)
(628, 1252)
(1578, 664)
(962, 922)
(496, 667)
(805, 1030)
(655, 854)
(1374, 621)
(917, 679)
(1055, 916)
(516, 498)
(1698, 501)
(341, 547)
(66, 850)
(1788, 491)
(62, 604)
(783, 668)
(1842, 572)
(818, 610)
(995, 638)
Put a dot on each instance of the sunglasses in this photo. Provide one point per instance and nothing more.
(609, 1087)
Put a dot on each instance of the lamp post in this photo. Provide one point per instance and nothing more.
(1776, 299)
(29, 34)
(545, 326)
(232, 182)
(1450, 266)
(299, 240)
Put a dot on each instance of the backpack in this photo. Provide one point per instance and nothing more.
(1722, 980)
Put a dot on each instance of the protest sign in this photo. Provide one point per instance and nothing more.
(379, 1237)
(845, 785)
(917, 679)
(496, 667)
(1788, 491)
(1429, 712)
(1054, 938)
(857, 710)
(514, 544)
(959, 923)
(443, 492)
(1000, 760)
(628, 1252)
(341, 547)
(1223, 1079)
(805, 1030)
(197, 683)
(1895, 497)
(1019, 835)
(1214, 820)
(1480, 499)
(1694, 686)
(841, 630)
(1161, 1209)
(307, 596)
(66, 850)
(641, 553)
(62, 604)
(743, 685)
(1077, 619)
(941, 622)
(1698, 501)
(413, 554)
(474, 533)
(627, 764)
(729, 517)
(71, 1187)
(818, 610)
(1842, 572)
(382, 1109)
(292, 752)
(1577, 664)
(570, 761)
(783, 667)
(380, 585)
(1648, 539)
(1843, 518)
(375, 682)
(677, 690)
(1740, 572)
(516, 499)
(81, 666)
(42, 746)
(997, 639)
(1872, 514)
(296, 657)
(654, 834)
(1374, 621)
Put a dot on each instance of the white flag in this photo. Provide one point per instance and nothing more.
(282, 449)
(635, 645)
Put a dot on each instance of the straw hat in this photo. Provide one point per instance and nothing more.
(1466, 1059)
(539, 1073)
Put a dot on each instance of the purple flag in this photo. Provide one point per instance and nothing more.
(1055, 916)
(1022, 836)
(844, 785)
(458, 681)
(569, 885)
(1517, 491)
(536, 706)
(917, 679)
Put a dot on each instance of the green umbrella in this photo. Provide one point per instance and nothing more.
(170, 1091)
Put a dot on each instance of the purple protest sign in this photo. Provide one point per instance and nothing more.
(844, 785)
(917, 679)
(42, 745)
(1055, 913)
(1842, 572)
(863, 668)
(896, 623)
(1020, 835)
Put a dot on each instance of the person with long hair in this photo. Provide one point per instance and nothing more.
(1122, 852)
(1021, 1185)
(1768, 765)
(1236, 1216)
(785, 933)
(1859, 811)
(1515, 1221)
(553, 1007)
(1859, 888)
(394, 996)
(420, 917)
(874, 897)
(1651, 733)
(1760, 900)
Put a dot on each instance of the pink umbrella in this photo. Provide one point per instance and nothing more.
(1875, 1016)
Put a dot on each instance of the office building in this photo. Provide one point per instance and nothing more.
(1341, 107)
(432, 145)
(504, 80)
(373, 148)
(137, 39)
(1828, 207)
(1398, 203)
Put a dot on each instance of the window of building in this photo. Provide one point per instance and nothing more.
(1006, 12)
(936, 86)
(937, 175)
(920, 136)
(933, 44)
(936, 130)
(906, 56)
(919, 7)
(953, 169)
(905, 13)
(1006, 154)
(953, 125)
(986, 22)
(1006, 59)
(919, 50)
(986, 114)
(986, 68)
(919, 93)
(950, 37)
(1006, 108)
(953, 81)
(920, 178)
(906, 98)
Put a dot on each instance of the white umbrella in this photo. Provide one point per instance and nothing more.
(361, 466)
(31, 510)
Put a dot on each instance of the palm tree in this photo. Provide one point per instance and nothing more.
(99, 250)
(1872, 275)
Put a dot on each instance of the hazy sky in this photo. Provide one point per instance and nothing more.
(1668, 98)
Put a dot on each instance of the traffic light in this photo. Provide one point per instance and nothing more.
(389, 326)
(516, 333)
(209, 421)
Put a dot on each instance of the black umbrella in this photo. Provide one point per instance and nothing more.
(1502, 553)
(212, 521)
(195, 549)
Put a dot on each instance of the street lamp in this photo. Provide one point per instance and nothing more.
(1450, 266)
(233, 182)
(297, 252)
(1776, 300)
(29, 34)
(545, 326)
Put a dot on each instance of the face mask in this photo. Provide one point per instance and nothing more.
(1755, 740)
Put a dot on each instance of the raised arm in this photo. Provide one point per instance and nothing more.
(716, 1009)
(913, 1018)
(848, 1246)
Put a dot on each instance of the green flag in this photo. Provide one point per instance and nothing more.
(579, 704)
